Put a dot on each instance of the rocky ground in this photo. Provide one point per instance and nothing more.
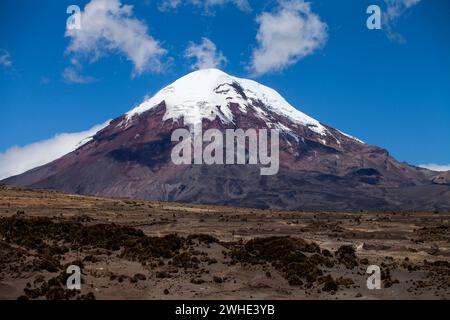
(131, 249)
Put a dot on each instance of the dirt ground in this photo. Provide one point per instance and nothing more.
(131, 249)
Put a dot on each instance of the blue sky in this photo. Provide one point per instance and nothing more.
(388, 87)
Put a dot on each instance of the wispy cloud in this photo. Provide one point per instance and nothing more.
(17, 160)
(287, 35)
(72, 75)
(435, 167)
(5, 58)
(204, 55)
(45, 80)
(394, 10)
(206, 6)
(108, 26)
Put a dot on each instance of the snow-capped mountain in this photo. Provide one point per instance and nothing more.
(209, 94)
(321, 168)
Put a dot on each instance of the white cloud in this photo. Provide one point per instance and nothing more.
(109, 26)
(167, 5)
(287, 35)
(435, 167)
(5, 58)
(205, 5)
(394, 10)
(72, 75)
(205, 55)
(17, 160)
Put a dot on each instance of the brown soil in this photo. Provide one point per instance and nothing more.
(152, 250)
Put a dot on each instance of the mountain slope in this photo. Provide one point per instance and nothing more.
(321, 168)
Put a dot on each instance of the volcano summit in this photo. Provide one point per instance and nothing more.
(321, 168)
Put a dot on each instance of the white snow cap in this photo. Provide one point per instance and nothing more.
(207, 94)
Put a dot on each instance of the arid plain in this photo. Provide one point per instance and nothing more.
(130, 249)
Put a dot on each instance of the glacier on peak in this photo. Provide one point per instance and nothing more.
(207, 94)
